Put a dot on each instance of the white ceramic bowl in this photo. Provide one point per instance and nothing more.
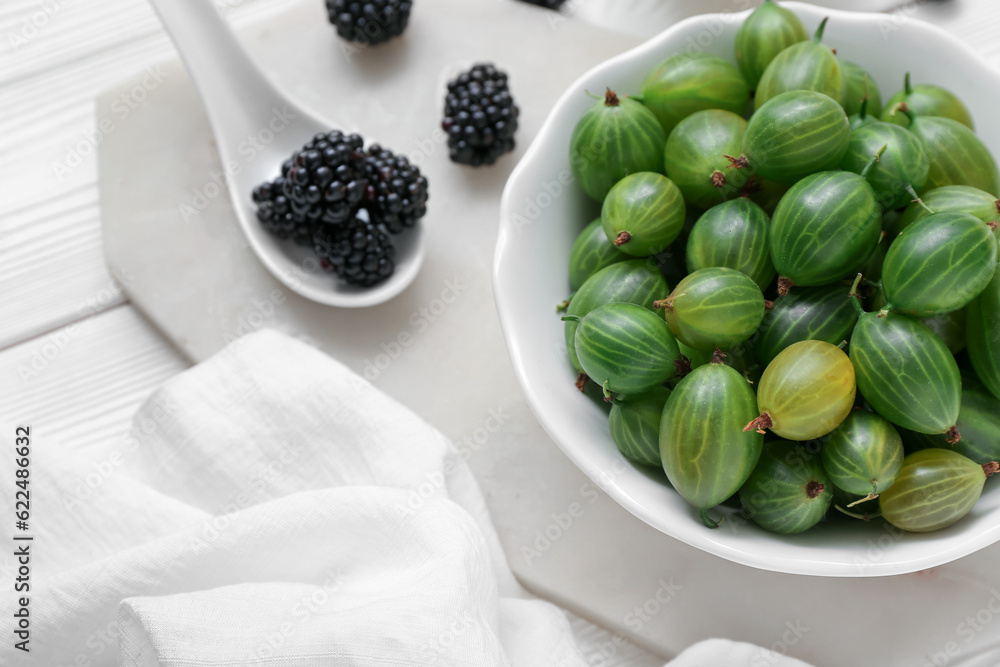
(542, 212)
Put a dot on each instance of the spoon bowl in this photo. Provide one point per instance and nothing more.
(256, 128)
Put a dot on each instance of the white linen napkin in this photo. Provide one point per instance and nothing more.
(270, 507)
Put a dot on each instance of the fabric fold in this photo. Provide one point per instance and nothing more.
(270, 507)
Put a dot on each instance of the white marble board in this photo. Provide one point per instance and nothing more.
(438, 347)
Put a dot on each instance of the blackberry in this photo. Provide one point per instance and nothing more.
(550, 4)
(325, 180)
(369, 21)
(360, 253)
(322, 190)
(275, 213)
(397, 192)
(480, 116)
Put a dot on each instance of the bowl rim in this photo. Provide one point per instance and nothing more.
(952, 547)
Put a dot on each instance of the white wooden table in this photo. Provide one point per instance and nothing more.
(75, 358)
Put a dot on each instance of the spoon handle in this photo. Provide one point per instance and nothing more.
(237, 96)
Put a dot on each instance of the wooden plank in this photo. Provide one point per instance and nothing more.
(80, 385)
(52, 268)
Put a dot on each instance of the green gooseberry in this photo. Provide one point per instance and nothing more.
(935, 488)
(957, 156)
(925, 100)
(690, 82)
(616, 137)
(769, 30)
(714, 307)
(733, 234)
(590, 253)
(643, 214)
(903, 165)
(808, 65)
(793, 135)
(806, 391)
(695, 157)
(962, 198)
(861, 87)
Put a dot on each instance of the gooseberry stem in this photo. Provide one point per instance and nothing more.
(707, 520)
(917, 199)
(819, 31)
(863, 113)
(863, 517)
(906, 85)
(855, 285)
(668, 303)
(905, 110)
(871, 163)
(607, 392)
(760, 423)
(854, 296)
(870, 496)
(581, 381)
(570, 318)
(740, 162)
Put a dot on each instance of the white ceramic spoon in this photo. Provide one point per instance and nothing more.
(244, 109)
